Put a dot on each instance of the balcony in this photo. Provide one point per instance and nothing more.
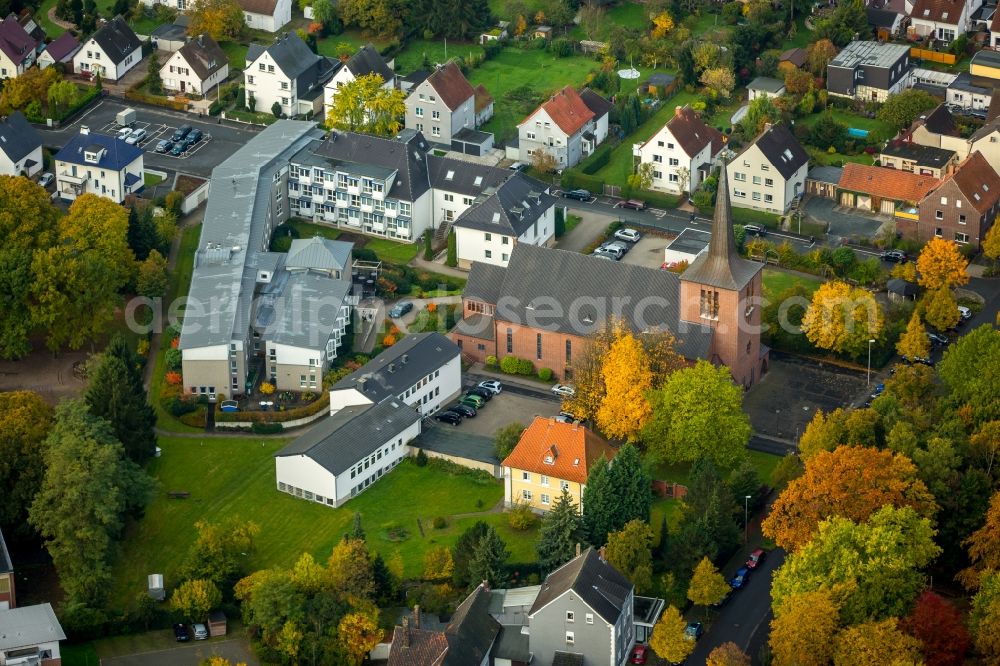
(378, 195)
(305, 179)
(318, 198)
(354, 189)
(391, 212)
(908, 213)
(70, 178)
(636, 150)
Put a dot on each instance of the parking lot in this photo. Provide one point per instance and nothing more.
(156, 132)
(647, 252)
(236, 650)
(510, 406)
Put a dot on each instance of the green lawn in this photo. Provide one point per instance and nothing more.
(823, 158)
(411, 58)
(680, 473)
(150, 179)
(751, 216)
(387, 250)
(619, 167)
(776, 282)
(234, 477)
(802, 38)
(51, 29)
(79, 655)
(572, 221)
(237, 54)
(875, 126)
(328, 45)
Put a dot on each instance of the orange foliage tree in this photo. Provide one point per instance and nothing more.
(940, 264)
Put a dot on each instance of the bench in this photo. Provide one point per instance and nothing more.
(178, 494)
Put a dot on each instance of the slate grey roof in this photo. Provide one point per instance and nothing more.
(576, 293)
(825, 174)
(204, 55)
(595, 103)
(965, 82)
(513, 209)
(29, 626)
(468, 178)
(296, 61)
(597, 583)
(939, 121)
(472, 630)
(512, 645)
(458, 443)
(400, 366)
(477, 325)
(485, 282)
(469, 135)
(6, 566)
(882, 18)
(319, 253)
(930, 156)
(875, 54)
(171, 32)
(367, 60)
(405, 155)
(300, 309)
(338, 442)
(781, 149)
(17, 137)
(766, 84)
(722, 266)
(986, 58)
(560, 658)
(116, 39)
(690, 241)
(224, 277)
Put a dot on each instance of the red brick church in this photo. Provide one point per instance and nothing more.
(545, 303)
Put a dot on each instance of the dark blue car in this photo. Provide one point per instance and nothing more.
(740, 579)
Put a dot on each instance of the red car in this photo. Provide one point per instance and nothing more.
(756, 557)
(640, 653)
(633, 204)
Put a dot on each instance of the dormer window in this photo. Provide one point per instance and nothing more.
(549, 460)
(92, 155)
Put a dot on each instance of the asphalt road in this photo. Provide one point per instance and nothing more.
(745, 617)
(225, 139)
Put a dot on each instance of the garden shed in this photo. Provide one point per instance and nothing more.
(217, 623)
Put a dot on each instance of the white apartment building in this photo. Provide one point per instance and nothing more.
(98, 164)
(681, 152)
(568, 126)
(768, 173)
(287, 73)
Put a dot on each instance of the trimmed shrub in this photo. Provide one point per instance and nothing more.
(421, 458)
(491, 361)
(521, 517)
(510, 364)
(439, 523)
(545, 374)
(266, 428)
(525, 367)
(173, 359)
(597, 162)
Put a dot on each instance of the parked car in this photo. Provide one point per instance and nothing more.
(937, 339)
(564, 390)
(46, 179)
(194, 136)
(754, 230)
(400, 309)
(200, 632)
(482, 393)
(579, 195)
(137, 137)
(181, 634)
(608, 253)
(617, 246)
(179, 147)
(918, 359)
(894, 256)
(640, 653)
(756, 557)
(465, 410)
(633, 204)
(964, 313)
(124, 132)
(449, 417)
(566, 417)
(739, 579)
(164, 145)
(693, 631)
(518, 166)
(491, 385)
(879, 390)
(472, 400)
(630, 235)
(181, 132)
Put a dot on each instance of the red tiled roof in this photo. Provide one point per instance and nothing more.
(691, 132)
(978, 181)
(567, 110)
(451, 85)
(885, 183)
(570, 447)
(939, 11)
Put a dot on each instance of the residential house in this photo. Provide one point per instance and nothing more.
(968, 92)
(20, 147)
(197, 67)
(266, 15)
(769, 172)
(994, 41)
(962, 208)
(704, 307)
(822, 181)
(170, 37)
(484, 105)
(17, 48)
(98, 164)
(344, 454)
(886, 23)
(551, 457)
(681, 153)
(495, 34)
(763, 86)
(218, 342)
(985, 65)
(794, 58)
(61, 49)
(567, 126)
(111, 51)
(442, 105)
(914, 158)
(869, 71)
(467, 639)
(422, 370)
(8, 598)
(937, 129)
(286, 73)
(583, 614)
(942, 20)
(880, 190)
(365, 61)
(31, 26)
(29, 636)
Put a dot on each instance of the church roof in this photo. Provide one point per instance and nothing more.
(722, 266)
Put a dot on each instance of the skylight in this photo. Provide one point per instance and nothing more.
(479, 181)
(450, 175)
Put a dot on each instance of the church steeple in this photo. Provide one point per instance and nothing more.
(721, 264)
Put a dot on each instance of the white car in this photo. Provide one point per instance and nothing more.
(46, 179)
(630, 235)
(964, 312)
(124, 133)
(136, 136)
(492, 385)
(200, 632)
(564, 390)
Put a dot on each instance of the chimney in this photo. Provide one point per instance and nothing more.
(677, 111)
(578, 549)
(405, 358)
(601, 552)
(416, 616)
(486, 585)
(406, 632)
(767, 126)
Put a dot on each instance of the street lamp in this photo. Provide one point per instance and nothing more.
(870, 343)
(746, 516)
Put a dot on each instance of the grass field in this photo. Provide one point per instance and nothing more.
(237, 54)
(823, 158)
(776, 282)
(437, 51)
(328, 45)
(387, 250)
(234, 477)
(79, 655)
(875, 126)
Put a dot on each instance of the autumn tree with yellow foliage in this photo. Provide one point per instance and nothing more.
(364, 105)
(940, 308)
(625, 409)
(905, 271)
(221, 19)
(913, 342)
(991, 243)
(940, 264)
(358, 634)
(668, 640)
(842, 318)
(727, 654)
(663, 23)
(707, 585)
(803, 629)
(876, 643)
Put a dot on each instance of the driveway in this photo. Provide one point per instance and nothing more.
(236, 650)
(591, 226)
(510, 406)
(843, 222)
(788, 395)
(647, 252)
(222, 140)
